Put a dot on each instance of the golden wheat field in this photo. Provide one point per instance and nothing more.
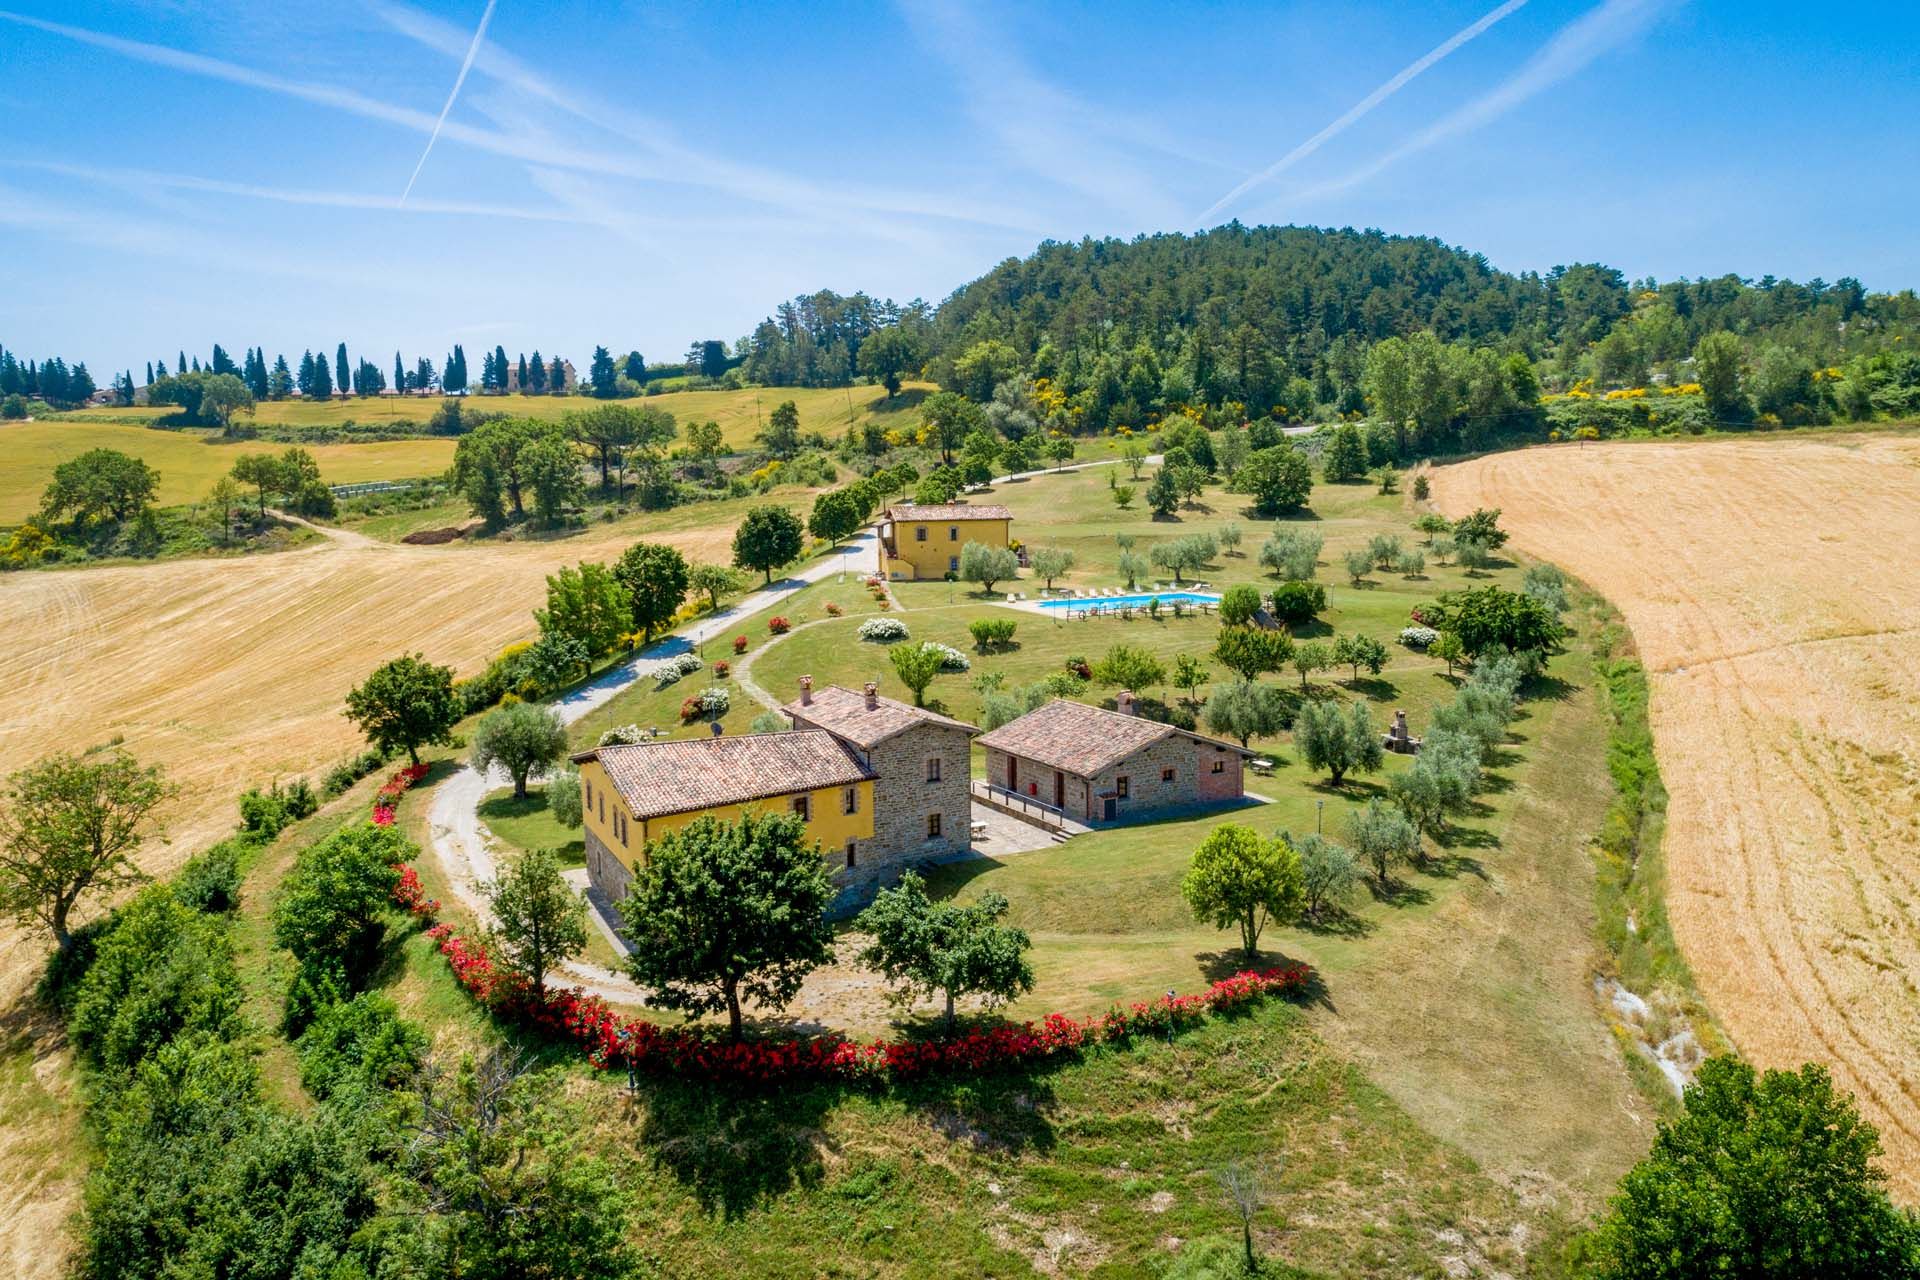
(233, 672)
(1773, 588)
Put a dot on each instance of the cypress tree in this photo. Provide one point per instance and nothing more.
(538, 372)
(399, 374)
(182, 368)
(149, 372)
(340, 367)
(500, 367)
(523, 373)
(322, 379)
(557, 376)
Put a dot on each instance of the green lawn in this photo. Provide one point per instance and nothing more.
(525, 825)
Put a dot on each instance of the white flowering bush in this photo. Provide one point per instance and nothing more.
(883, 630)
(622, 735)
(668, 670)
(951, 659)
(715, 700)
(1417, 637)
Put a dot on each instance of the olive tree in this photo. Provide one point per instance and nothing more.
(988, 565)
(523, 739)
(1381, 836)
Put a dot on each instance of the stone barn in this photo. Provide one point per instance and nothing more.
(1098, 766)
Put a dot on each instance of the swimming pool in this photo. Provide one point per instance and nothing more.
(1138, 600)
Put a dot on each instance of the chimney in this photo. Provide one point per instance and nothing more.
(1123, 702)
(717, 728)
(806, 691)
(873, 696)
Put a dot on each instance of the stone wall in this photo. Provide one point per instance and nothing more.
(606, 872)
(1194, 781)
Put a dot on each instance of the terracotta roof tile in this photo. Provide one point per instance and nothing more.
(949, 511)
(1083, 739)
(658, 778)
(843, 713)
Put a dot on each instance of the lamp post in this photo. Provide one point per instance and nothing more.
(1319, 815)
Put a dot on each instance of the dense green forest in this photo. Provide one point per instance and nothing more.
(1299, 324)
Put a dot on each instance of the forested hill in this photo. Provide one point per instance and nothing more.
(1282, 321)
(1300, 286)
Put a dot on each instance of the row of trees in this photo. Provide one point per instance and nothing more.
(52, 380)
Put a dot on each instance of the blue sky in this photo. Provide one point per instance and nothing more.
(641, 175)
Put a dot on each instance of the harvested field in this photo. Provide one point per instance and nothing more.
(232, 672)
(1773, 592)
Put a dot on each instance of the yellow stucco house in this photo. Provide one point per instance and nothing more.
(925, 541)
(631, 795)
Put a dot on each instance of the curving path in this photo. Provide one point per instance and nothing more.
(460, 839)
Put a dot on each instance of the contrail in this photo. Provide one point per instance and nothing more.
(465, 65)
(1361, 108)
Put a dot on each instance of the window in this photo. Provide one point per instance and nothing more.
(933, 768)
(933, 826)
(850, 853)
(919, 533)
(1166, 775)
(589, 787)
(803, 805)
(953, 564)
(851, 803)
(1219, 766)
(1122, 785)
(620, 827)
(603, 806)
(953, 533)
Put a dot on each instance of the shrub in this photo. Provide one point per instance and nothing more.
(834, 610)
(991, 633)
(1418, 637)
(162, 970)
(722, 668)
(360, 1041)
(1296, 603)
(563, 797)
(263, 814)
(622, 735)
(1239, 604)
(951, 659)
(211, 881)
(715, 700)
(883, 630)
(779, 625)
(739, 644)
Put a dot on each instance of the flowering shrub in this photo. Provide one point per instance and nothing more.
(690, 710)
(668, 670)
(872, 580)
(882, 630)
(382, 815)
(833, 610)
(391, 790)
(884, 603)
(590, 1024)
(951, 659)
(411, 896)
(714, 700)
(622, 735)
(739, 644)
(721, 667)
(1418, 637)
(778, 624)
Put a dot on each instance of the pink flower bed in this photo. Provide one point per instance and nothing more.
(609, 1041)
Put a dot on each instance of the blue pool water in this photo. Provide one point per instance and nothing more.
(1139, 600)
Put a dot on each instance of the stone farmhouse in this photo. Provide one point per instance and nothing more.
(921, 761)
(879, 784)
(918, 542)
(1098, 766)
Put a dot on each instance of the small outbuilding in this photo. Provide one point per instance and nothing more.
(1093, 765)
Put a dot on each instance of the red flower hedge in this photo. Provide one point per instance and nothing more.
(721, 667)
(778, 624)
(739, 644)
(611, 1042)
(410, 895)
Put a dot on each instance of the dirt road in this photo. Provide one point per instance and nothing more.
(1774, 592)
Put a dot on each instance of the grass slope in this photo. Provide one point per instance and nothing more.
(740, 413)
(188, 461)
